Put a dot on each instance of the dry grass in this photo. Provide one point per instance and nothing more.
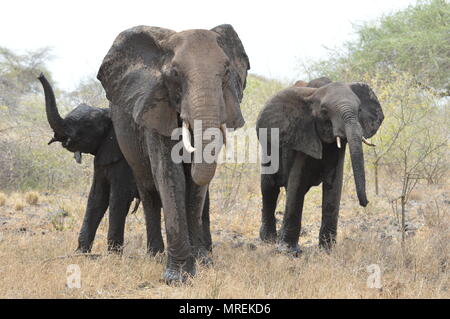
(243, 266)
(32, 198)
(2, 199)
(19, 205)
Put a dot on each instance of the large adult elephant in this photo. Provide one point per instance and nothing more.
(158, 80)
(315, 123)
(89, 129)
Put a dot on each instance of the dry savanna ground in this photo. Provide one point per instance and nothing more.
(35, 228)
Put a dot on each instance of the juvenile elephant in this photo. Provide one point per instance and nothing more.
(88, 129)
(316, 83)
(158, 81)
(315, 123)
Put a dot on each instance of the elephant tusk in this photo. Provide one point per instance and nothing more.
(338, 141)
(186, 135)
(223, 128)
(367, 142)
(77, 157)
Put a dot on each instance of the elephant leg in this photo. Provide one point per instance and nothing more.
(195, 200)
(331, 195)
(152, 211)
(270, 192)
(133, 146)
(96, 207)
(295, 193)
(119, 205)
(170, 181)
(207, 240)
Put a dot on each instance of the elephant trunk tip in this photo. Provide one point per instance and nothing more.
(363, 202)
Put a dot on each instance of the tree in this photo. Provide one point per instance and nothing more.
(413, 139)
(89, 91)
(415, 40)
(18, 74)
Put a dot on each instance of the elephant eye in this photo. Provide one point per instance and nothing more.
(226, 76)
(178, 96)
(174, 73)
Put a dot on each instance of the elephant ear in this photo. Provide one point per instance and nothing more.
(290, 111)
(371, 115)
(131, 76)
(109, 151)
(230, 43)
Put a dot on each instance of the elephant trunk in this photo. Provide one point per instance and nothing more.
(207, 150)
(53, 117)
(353, 132)
(208, 137)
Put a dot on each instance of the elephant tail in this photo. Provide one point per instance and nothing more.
(136, 205)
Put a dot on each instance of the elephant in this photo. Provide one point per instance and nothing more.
(314, 125)
(316, 83)
(300, 84)
(160, 82)
(88, 129)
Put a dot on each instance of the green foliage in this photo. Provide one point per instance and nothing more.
(18, 74)
(258, 90)
(415, 40)
(413, 138)
(89, 91)
(26, 161)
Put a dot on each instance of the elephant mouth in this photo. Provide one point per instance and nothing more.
(205, 151)
(186, 136)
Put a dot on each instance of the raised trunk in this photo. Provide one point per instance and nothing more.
(53, 117)
(354, 139)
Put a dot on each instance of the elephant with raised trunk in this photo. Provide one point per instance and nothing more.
(157, 81)
(88, 129)
(314, 123)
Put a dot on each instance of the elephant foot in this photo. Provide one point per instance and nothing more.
(203, 256)
(268, 233)
(115, 247)
(178, 273)
(82, 249)
(293, 250)
(327, 245)
(154, 250)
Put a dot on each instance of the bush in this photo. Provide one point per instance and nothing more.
(27, 162)
(2, 199)
(32, 198)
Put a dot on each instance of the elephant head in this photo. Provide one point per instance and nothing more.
(161, 76)
(300, 84)
(317, 83)
(82, 131)
(308, 117)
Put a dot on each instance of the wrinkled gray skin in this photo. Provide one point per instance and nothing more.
(156, 78)
(88, 129)
(309, 119)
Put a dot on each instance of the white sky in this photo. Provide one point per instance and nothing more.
(275, 34)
